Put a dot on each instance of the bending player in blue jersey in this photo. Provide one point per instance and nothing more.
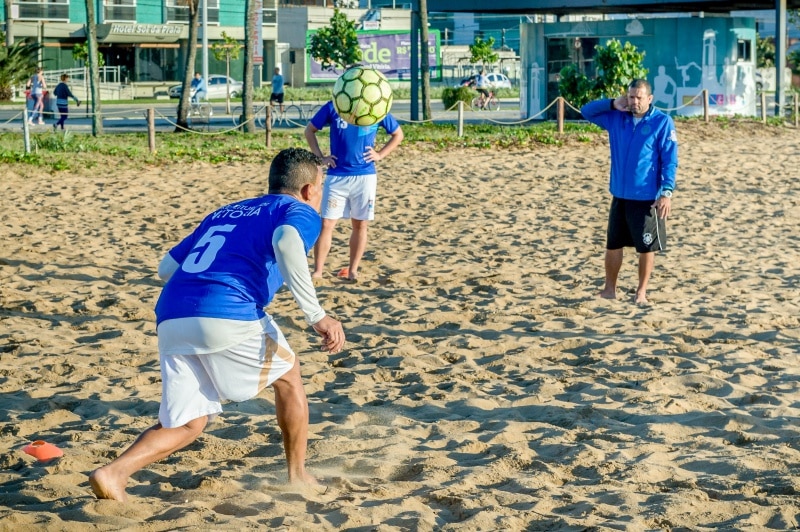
(214, 339)
(352, 182)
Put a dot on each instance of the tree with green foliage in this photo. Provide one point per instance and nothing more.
(335, 46)
(575, 86)
(483, 51)
(80, 52)
(17, 63)
(616, 65)
(794, 61)
(765, 52)
(226, 50)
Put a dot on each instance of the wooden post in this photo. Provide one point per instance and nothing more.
(795, 105)
(151, 129)
(460, 118)
(560, 115)
(26, 132)
(706, 114)
(763, 107)
(269, 126)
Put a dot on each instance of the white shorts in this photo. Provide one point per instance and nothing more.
(349, 197)
(194, 386)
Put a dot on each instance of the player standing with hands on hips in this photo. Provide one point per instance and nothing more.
(644, 163)
(215, 340)
(352, 181)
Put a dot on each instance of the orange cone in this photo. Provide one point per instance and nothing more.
(43, 451)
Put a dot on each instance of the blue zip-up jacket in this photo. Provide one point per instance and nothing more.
(644, 157)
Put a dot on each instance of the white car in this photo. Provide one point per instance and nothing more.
(498, 81)
(216, 88)
(494, 79)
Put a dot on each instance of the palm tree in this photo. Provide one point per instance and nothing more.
(9, 25)
(425, 60)
(17, 63)
(182, 122)
(247, 75)
(94, 68)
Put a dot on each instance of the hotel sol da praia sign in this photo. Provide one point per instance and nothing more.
(115, 32)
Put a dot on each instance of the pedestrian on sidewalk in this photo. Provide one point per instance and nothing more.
(63, 94)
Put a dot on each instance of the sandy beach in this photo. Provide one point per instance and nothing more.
(483, 386)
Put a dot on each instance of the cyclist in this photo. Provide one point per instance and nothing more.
(481, 85)
(198, 88)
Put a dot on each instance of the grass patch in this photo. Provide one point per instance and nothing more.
(76, 151)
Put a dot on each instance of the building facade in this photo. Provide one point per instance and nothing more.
(146, 39)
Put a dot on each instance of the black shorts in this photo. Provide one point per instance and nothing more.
(484, 92)
(633, 223)
(276, 97)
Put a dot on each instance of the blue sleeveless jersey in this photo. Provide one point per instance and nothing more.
(228, 267)
(349, 142)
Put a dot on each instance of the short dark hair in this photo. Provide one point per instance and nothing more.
(291, 169)
(641, 84)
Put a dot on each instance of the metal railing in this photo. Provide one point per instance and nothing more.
(110, 82)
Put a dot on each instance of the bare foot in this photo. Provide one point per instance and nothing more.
(316, 275)
(352, 276)
(105, 487)
(608, 294)
(641, 299)
(307, 481)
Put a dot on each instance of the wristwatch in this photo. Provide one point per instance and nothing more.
(666, 193)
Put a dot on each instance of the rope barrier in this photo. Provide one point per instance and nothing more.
(696, 97)
(16, 116)
(209, 133)
(128, 113)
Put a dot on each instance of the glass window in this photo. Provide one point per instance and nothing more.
(158, 64)
(744, 50)
(57, 10)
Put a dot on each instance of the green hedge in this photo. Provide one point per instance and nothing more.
(452, 95)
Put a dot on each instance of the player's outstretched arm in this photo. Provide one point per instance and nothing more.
(292, 263)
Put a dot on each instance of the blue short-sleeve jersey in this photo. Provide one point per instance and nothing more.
(228, 267)
(277, 84)
(349, 142)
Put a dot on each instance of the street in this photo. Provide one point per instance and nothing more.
(126, 118)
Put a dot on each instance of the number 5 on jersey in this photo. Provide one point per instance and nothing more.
(204, 253)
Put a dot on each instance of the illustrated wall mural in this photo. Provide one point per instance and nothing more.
(683, 55)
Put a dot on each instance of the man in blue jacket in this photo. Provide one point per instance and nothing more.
(644, 161)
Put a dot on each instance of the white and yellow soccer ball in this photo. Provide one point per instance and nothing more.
(362, 96)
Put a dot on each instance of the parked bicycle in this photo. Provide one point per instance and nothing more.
(259, 115)
(294, 115)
